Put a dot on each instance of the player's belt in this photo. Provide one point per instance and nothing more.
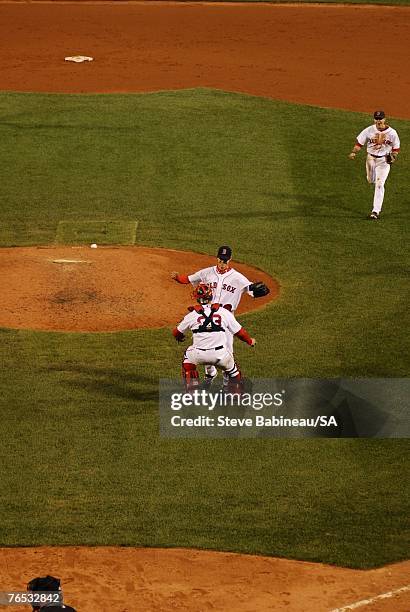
(214, 348)
(377, 155)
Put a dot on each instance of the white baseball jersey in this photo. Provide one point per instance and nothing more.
(213, 334)
(227, 287)
(379, 142)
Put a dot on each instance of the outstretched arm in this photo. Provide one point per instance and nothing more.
(185, 279)
(243, 335)
(179, 336)
(180, 278)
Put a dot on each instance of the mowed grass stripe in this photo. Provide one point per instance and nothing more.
(86, 231)
(81, 458)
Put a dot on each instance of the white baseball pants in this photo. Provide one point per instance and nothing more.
(210, 370)
(377, 171)
(212, 357)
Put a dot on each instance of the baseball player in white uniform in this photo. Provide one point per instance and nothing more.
(211, 325)
(228, 285)
(383, 146)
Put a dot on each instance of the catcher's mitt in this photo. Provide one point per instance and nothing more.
(259, 289)
(391, 158)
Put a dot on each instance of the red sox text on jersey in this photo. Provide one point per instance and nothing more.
(227, 286)
(224, 287)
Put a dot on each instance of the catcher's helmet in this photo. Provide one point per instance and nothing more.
(44, 583)
(202, 293)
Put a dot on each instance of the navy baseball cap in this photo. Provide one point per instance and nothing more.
(379, 115)
(224, 253)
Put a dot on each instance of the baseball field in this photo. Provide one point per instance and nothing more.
(197, 125)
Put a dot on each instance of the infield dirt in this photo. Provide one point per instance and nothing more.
(160, 580)
(308, 54)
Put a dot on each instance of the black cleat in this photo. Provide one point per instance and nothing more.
(207, 382)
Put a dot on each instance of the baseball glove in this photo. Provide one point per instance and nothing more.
(390, 158)
(259, 289)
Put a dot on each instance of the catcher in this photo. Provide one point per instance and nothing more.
(228, 285)
(48, 584)
(210, 324)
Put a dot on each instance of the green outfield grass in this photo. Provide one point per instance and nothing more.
(82, 462)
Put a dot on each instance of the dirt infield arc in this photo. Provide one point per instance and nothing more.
(320, 55)
(161, 580)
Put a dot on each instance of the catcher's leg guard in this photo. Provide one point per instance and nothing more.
(233, 372)
(190, 376)
(235, 384)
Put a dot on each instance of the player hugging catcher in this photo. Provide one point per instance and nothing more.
(227, 285)
(210, 325)
(383, 146)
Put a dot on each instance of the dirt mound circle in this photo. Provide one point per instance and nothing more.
(81, 289)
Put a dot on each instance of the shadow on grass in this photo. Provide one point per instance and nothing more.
(394, 271)
(303, 206)
(109, 382)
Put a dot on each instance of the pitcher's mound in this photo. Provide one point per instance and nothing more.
(105, 289)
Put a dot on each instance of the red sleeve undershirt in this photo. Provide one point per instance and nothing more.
(177, 334)
(243, 335)
(183, 279)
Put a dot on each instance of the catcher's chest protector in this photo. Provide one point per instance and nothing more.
(208, 325)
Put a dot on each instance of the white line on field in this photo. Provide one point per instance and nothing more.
(366, 602)
(134, 232)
